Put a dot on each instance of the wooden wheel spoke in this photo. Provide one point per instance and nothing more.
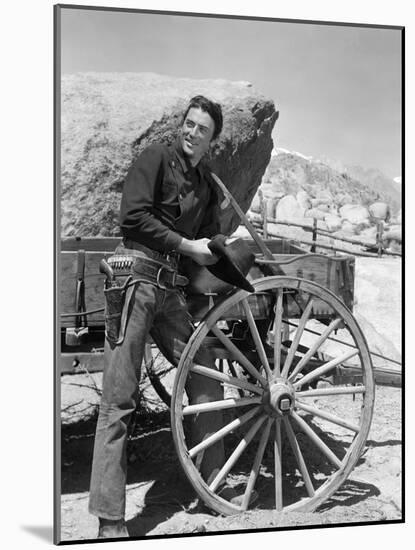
(226, 379)
(298, 368)
(257, 464)
(322, 338)
(239, 356)
(299, 457)
(327, 416)
(342, 390)
(220, 405)
(256, 337)
(277, 332)
(278, 465)
(316, 440)
(220, 434)
(298, 333)
(236, 453)
(325, 368)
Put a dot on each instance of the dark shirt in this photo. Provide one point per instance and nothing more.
(164, 199)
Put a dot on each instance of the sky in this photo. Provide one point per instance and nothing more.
(337, 88)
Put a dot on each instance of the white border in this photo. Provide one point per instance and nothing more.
(27, 226)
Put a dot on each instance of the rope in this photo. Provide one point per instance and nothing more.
(345, 343)
(83, 313)
(300, 257)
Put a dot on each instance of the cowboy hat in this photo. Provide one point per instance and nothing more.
(235, 260)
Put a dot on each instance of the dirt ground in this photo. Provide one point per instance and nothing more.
(161, 501)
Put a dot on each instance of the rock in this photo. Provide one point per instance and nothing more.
(393, 233)
(303, 199)
(288, 209)
(256, 204)
(109, 118)
(315, 213)
(343, 198)
(348, 228)
(379, 211)
(355, 213)
(399, 217)
(271, 205)
(321, 200)
(369, 233)
(333, 222)
(396, 219)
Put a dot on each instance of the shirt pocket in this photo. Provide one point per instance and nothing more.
(169, 187)
(174, 183)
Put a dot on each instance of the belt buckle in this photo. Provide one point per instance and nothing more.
(169, 270)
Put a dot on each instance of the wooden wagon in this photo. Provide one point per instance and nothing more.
(295, 368)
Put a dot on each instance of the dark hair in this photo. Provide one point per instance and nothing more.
(210, 107)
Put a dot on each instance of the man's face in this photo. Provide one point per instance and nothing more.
(196, 134)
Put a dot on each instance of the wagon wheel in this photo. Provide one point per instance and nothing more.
(296, 431)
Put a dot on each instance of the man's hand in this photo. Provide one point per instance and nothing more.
(198, 250)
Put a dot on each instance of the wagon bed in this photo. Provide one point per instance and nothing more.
(273, 349)
(80, 258)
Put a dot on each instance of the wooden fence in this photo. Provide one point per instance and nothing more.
(375, 249)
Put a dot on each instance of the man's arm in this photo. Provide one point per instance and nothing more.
(137, 218)
(198, 250)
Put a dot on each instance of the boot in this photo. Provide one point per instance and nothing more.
(112, 529)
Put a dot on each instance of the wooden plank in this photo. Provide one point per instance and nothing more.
(78, 363)
(383, 376)
(97, 244)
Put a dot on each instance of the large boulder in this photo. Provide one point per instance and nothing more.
(393, 233)
(303, 199)
(107, 119)
(333, 222)
(288, 209)
(379, 211)
(315, 213)
(256, 204)
(355, 213)
(348, 228)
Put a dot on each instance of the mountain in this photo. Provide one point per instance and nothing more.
(289, 172)
(379, 182)
(374, 178)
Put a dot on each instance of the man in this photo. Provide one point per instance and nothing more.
(169, 208)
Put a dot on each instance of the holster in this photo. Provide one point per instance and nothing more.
(117, 301)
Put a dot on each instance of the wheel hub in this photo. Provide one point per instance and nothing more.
(279, 399)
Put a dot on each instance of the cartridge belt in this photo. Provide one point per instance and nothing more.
(171, 257)
(162, 274)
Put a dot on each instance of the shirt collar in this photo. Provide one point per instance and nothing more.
(184, 162)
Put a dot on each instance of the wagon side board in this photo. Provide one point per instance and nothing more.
(335, 273)
(93, 282)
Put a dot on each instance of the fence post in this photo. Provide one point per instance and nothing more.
(314, 238)
(263, 206)
(379, 237)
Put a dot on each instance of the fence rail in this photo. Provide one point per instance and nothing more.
(261, 222)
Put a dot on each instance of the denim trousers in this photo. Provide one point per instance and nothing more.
(162, 313)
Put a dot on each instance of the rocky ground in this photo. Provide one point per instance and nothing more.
(160, 501)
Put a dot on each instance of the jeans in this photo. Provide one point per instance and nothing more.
(162, 313)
